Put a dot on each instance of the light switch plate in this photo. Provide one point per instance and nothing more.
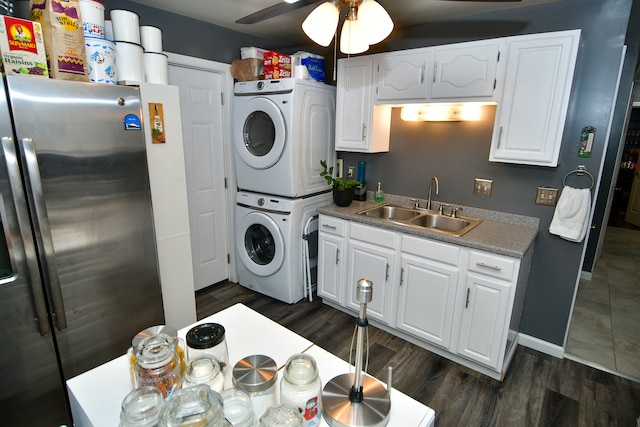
(547, 196)
(482, 187)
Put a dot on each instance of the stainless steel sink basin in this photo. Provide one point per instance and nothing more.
(391, 212)
(421, 218)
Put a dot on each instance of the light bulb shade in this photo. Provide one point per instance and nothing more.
(375, 22)
(351, 39)
(321, 24)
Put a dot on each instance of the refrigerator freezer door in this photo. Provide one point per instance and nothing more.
(28, 362)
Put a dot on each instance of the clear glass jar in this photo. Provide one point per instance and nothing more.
(281, 416)
(238, 409)
(204, 370)
(209, 338)
(257, 375)
(157, 364)
(142, 407)
(196, 406)
(301, 387)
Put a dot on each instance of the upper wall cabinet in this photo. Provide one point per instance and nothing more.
(531, 114)
(403, 76)
(466, 71)
(360, 126)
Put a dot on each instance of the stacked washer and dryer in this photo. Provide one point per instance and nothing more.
(282, 129)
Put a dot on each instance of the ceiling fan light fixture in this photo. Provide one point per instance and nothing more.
(375, 22)
(320, 26)
(351, 38)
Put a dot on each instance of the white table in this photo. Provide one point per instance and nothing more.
(97, 394)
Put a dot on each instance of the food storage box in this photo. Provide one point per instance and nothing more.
(22, 47)
(274, 72)
(277, 59)
(252, 52)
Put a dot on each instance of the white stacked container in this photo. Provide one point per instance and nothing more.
(156, 63)
(129, 51)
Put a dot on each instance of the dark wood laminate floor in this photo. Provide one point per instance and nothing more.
(539, 390)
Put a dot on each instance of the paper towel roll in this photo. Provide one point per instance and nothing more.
(301, 72)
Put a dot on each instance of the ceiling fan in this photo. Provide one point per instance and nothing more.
(287, 6)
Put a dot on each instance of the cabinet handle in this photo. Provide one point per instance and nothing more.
(401, 276)
(466, 305)
(337, 256)
(500, 137)
(364, 131)
(422, 72)
(332, 227)
(493, 267)
(435, 70)
(387, 274)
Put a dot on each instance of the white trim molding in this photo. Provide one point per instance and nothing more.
(541, 346)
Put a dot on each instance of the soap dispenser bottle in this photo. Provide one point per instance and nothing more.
(378, 197)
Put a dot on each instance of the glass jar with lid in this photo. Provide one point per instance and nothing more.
(157, 364)
(204, 369)
(196, 406)
(142, 407)
(238, 408)
(257, 375)
(209, 338)
(282, 415)
(301, 387)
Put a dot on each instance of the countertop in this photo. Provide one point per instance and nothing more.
(499, 232)
(247, 332)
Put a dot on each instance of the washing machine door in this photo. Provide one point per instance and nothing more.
(260, 132)
(260, 244)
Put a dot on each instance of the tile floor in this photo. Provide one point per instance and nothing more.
(605, 327)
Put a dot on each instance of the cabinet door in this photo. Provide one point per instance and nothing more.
(360, 126)
(426, 300)
(331, 260)
(403, 76)
(484, 319)
(376, 264)
(530, 118)
(466, 71)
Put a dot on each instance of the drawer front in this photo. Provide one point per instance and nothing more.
(493, 265)
(431, 249)
(374, 235)
(331, 225)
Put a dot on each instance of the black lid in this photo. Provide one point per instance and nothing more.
(206, 335)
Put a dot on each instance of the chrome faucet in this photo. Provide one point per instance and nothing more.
(434, 179)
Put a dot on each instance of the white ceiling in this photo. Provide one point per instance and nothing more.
(286, 28)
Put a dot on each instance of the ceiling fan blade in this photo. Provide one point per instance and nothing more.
(487, 1)
(273, 11)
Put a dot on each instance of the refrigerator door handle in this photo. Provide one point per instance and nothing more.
(33, 175)
(20, 203)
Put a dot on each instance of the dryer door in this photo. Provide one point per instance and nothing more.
(260, 132)
(260, 244)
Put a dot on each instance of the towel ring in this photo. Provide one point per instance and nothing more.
(580, 170)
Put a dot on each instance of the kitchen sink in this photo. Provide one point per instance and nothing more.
(391, 212)
(430, 220)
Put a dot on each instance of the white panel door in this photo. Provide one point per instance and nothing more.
(202, 124)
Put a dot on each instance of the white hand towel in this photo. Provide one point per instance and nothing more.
(571, 217)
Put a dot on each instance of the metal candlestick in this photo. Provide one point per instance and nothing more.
(357, 399)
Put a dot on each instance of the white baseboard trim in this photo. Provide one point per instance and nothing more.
(585, 275)
(541, 346)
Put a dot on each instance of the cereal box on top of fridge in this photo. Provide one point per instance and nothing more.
(22, 47)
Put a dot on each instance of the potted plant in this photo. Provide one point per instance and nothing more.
(343, 189)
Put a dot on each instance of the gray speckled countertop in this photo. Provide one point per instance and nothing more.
(499, 232)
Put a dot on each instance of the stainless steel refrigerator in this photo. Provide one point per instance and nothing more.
(78, 261)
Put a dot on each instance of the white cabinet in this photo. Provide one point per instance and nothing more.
(372, 255)
(462, 303)
(427, 290)
(332, 258)
(531, 115)
(403, 76)
(360, 126)
(488, 297)
(466, 71)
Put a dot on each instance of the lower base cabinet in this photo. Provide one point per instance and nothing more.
(463, 304)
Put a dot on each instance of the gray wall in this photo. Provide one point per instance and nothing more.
(456, 152)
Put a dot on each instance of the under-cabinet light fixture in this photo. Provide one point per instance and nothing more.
(464, 112)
